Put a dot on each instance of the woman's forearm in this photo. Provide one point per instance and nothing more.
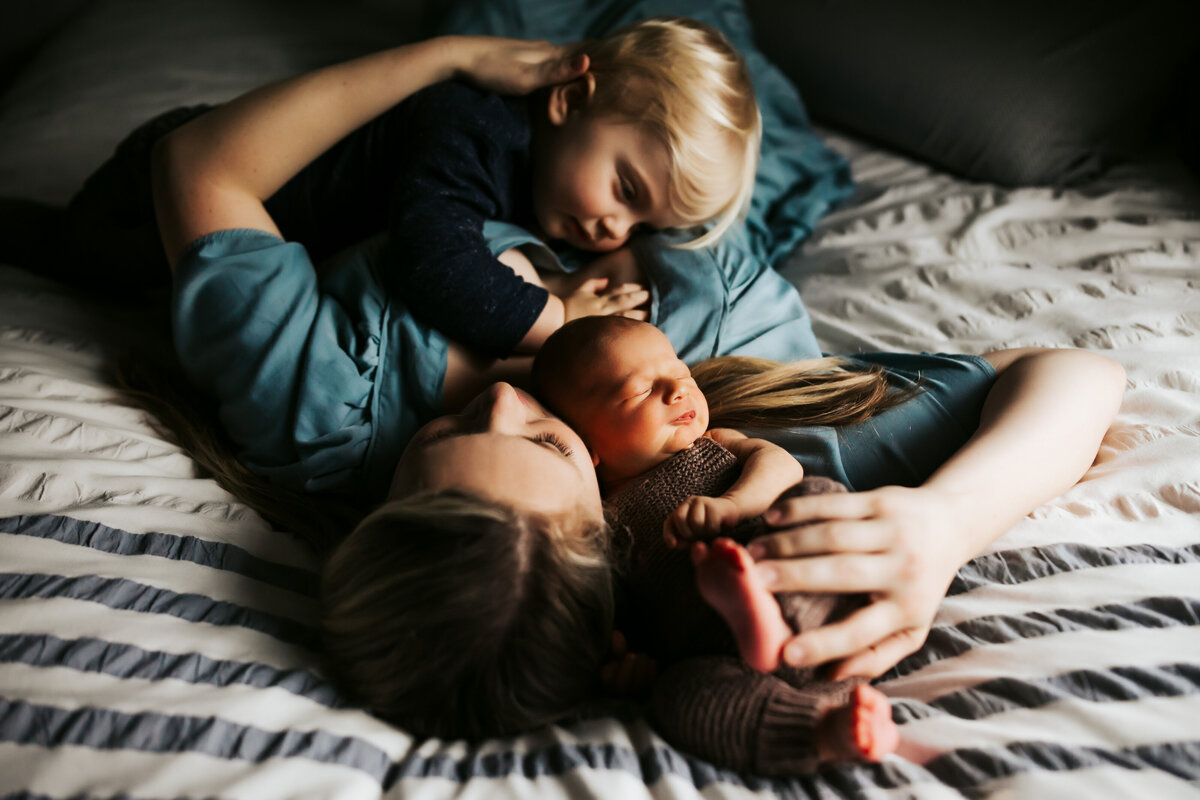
(215, 172)
(1040, 429)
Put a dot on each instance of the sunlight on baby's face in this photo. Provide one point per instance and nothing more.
(641, 404)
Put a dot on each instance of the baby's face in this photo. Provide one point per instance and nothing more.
(641, 405)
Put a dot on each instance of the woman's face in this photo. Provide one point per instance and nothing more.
(504, 446)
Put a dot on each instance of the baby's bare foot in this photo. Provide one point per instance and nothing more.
(727, 580)
(861, 730)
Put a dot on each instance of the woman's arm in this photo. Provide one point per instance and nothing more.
(215, 172)
(1040, 429)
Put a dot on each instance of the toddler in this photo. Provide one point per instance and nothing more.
(667, 477)
(658, 128)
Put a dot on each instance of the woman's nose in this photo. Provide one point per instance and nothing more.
(505, 411)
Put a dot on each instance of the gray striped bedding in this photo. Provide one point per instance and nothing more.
(155, 634)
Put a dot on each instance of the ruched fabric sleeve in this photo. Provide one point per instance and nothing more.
(292, 373)
(904, 445)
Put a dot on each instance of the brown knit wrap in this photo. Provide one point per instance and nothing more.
(705, 701)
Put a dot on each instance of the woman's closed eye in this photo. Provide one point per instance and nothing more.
(555, 441)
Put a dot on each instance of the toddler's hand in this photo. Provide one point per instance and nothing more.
(593, 298)
(513, 66)
(700, 518)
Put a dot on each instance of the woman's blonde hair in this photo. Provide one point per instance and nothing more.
(759, 393)
(445, 613)
(741, 392)
(691, 88)
(455, 616)
(161, 390)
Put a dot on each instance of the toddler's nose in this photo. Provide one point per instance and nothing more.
(615, 227)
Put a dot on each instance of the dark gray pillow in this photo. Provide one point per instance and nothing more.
(1016, 92)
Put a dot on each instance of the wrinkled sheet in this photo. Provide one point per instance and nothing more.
(156, 640)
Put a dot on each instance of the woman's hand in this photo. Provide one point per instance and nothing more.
(900, 546)
(513, 66)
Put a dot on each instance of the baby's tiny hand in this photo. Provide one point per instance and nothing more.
(700, 518)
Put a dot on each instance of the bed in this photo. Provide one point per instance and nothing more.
(156, 635)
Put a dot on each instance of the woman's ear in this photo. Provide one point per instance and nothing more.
(595, 457)
(569, 97)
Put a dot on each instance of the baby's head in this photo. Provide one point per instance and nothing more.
(620, 385)
(662, 132)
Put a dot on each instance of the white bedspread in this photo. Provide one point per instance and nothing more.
(166, 651)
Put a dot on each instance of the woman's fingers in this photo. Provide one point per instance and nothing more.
(855, 633)
(838, 573)
(849, 536)
(880, 657)
(835, 505)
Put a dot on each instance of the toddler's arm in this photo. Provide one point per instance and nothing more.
(580, 294)
(767, 471)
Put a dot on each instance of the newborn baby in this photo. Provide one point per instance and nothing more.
(667, 478)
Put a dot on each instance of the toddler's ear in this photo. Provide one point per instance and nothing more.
(569, 97)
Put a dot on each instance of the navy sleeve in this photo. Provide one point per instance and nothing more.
(431, 171)
(468, 165)
(905, 444)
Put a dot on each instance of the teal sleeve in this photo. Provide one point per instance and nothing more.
(905, 444)
(292, 375)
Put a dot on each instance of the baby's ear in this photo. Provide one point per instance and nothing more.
(572, 96)
(595, 457)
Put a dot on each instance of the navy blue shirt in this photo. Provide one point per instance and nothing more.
(430, 171)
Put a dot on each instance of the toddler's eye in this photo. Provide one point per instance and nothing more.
(628, 190)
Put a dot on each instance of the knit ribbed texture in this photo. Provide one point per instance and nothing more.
(705, 701)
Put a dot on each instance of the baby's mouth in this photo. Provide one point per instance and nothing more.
(684, 418)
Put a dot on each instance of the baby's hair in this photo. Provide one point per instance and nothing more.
(691, 88)
(455, 616)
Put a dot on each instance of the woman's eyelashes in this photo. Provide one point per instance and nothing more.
(554, 441)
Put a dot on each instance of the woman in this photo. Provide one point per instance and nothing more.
(507, 457)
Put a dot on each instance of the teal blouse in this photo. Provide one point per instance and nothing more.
(321, 383)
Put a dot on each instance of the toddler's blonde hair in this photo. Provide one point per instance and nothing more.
(691, 88)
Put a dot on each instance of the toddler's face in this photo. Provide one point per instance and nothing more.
(642, 405)
(597, 180)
